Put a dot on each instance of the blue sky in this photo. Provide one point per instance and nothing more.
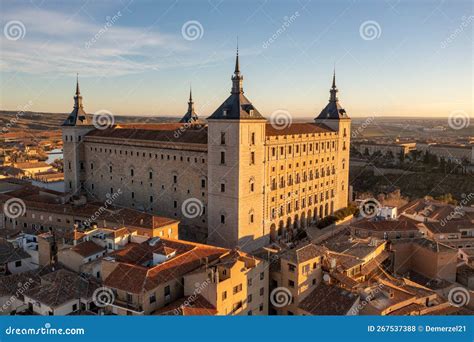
(133, 58)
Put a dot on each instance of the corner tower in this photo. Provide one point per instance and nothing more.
(74, 128)
(236, 155)
(335, 117)
(190, 117)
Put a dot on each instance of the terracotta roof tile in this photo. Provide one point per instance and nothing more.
(87, 248)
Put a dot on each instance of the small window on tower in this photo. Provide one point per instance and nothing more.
(222, 138)
(222, 157)
(252, 139)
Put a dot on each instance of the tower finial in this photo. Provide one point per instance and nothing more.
(190, 93)
(77, 85)
(333, 91)
(334, 77)
(237, 65)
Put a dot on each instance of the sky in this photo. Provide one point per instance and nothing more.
(392, 58)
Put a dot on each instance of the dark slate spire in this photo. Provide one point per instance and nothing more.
(333, 110)
(237, 106)
(78, 116)
(237, 78)
(190, 116)
(77, 85)
(237, 65)
(333, 91)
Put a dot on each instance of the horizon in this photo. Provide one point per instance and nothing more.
(391, 60)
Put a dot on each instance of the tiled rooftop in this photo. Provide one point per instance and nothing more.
(328, 300)
(62, 286)
(135, 274)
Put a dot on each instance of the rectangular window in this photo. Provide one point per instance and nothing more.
(222, 187)
(237, 288)
(224, 295)
(203, 183)
(152, 298)
(222, 138)
(252, 139)
(222, 157)
(252, 158)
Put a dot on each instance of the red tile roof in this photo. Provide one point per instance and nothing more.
(328, 300)
(87, 248)
(130, 275)
(188, 306)
(404, 224)
(170, 132)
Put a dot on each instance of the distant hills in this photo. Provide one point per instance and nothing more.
(53, 121)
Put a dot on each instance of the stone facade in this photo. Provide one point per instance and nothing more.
(247, 181)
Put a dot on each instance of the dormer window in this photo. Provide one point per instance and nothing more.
(251, 112)
(224, 112)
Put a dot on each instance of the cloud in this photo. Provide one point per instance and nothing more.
(58, 43)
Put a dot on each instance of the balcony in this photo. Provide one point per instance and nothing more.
(126, 305)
